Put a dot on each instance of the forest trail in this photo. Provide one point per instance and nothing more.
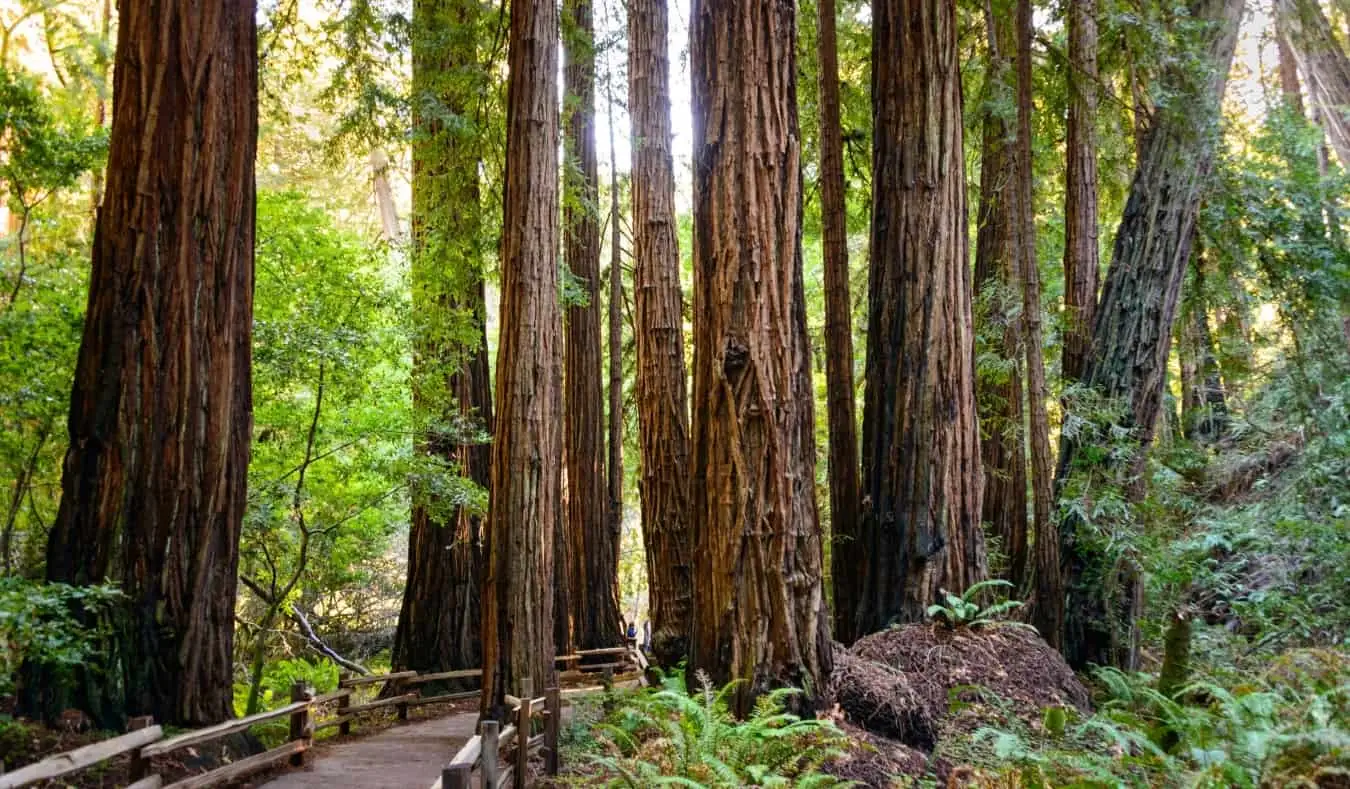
(403, 757)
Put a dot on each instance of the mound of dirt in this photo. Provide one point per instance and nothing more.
(905, 682)
(876, 761)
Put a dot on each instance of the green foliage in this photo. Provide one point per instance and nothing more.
(43, 623)
(41, 153)
(966, 611)
(322, 675)
(1286, 728)
(667, 736)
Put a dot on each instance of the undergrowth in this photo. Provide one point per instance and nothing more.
(667, 736)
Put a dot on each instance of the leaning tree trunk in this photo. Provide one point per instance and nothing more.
(1325, 68)
(438, 626)
(527, 441)
(841, 412)
(921, 458)
(1134, 322)
(759, 611)
(153, 489)
(662, 403)
(1000, 387)
(593, 543)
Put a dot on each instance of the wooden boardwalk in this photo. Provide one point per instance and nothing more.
(402, 757)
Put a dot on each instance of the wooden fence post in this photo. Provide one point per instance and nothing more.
(491, 743)
(300, 722)
(552, 728)
(455, 776)
(397, 687)
(140, 766)
(523, 732)
(343, 703)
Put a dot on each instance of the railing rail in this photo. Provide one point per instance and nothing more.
(484, 751)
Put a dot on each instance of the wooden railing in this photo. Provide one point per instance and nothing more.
(400, 692)
(484, 750)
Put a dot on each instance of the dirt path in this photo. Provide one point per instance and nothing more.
(404, 757)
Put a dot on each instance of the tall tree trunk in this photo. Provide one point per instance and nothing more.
(841, 412)
(921, 458)
(153, 489)
(527, 440)
(438, 625)
(1038, 422)
(1134, 319)
(1080, 190)
(1325, 68)
(759, 604)
(615, 338)
(593, 544)
(662, 402)
(1000, 403)
(384, 193)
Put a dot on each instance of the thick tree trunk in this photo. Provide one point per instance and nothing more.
(1324, 65)
(846, 556)
(662, 403)
(527, 440)
(921, 463)
(153, 490)
(1080, 190)
(1133, 328)
(759, 604)
(615, 326)
(593, 543)
(438, 626)
(1000, 388)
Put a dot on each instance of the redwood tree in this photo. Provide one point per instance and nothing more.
(1325, 67)
(153, 489)
(759, 611)
(1080, 189)
(662, 403)
(921, 465)
(1133, 329)
(438, 626)
(841, 412)
(593, 543)
(997, 251)
(527, 439)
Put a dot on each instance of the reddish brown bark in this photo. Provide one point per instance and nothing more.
(1080, 190)
(846, 552)
(997, 248)
(153, 491)
(527, 440)
(921, 464)
(593, 542)
(759, 607)
(662, 402)
(1324, 65)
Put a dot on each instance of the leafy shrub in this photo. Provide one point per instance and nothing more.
(965, 611)
(38, 623)
(669, 737)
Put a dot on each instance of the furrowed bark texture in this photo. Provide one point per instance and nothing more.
(527, 441)
(153, 489)
(1080, 190)
(921, 464)
(593, 541)
(997, 247)
(845, 551)
(1325, 68)
(1133, 328)
(438, 625)
(662, 401)
(1038, 422)
(759, 605)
